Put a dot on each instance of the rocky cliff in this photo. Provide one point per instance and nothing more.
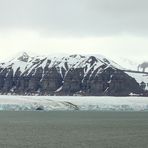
(68, 75)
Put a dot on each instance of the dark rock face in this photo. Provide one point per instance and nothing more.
(109, 82)
(73, 75)
(73, 81)
(51, 81)
(121, 84)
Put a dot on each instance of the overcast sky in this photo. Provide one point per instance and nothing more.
(114, 28)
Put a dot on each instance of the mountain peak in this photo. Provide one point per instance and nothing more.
(23, 57)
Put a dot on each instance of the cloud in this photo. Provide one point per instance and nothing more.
(108, 27)
(76, 17)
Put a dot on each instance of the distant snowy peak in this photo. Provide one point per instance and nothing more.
(129, 64)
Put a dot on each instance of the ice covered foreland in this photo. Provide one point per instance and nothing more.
(54, 103)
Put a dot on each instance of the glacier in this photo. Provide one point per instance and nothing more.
(72, 103)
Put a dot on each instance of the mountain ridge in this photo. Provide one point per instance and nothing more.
(65, 75)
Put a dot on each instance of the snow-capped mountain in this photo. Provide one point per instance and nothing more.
(66, 75)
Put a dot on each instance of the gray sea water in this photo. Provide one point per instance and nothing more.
(73, 129)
